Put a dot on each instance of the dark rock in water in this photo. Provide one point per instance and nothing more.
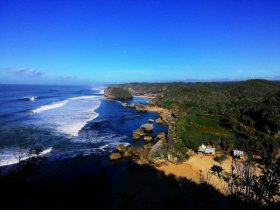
(115, 156)
(121, 148)
(135, 151)
(137, 134)
(127, 154)
(147, 127)
(131, 106)
(148, 138)
(117, 93)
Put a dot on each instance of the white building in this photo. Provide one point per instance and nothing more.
(206, 150)
(238, 153)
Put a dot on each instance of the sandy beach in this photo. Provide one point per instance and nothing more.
(197, 169)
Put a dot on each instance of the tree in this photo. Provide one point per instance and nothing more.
(246, 184)
(215, 169)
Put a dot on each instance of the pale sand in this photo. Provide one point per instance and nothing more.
(196, 168)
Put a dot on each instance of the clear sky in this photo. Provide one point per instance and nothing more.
(88, 41)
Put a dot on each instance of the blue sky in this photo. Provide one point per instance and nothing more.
(90, 41)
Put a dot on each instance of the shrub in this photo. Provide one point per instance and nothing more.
(220, 158)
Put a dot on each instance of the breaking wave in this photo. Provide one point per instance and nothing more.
(50, 106)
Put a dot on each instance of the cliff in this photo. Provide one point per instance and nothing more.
(117, 93)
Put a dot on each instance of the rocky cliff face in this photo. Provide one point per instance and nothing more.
(117, 93)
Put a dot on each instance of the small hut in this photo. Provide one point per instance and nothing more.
(201, 149)
(238, 153)
(210, 151)
(206, 150)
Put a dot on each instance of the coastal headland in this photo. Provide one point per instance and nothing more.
(195, 119)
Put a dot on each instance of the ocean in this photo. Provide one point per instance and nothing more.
(65, 122)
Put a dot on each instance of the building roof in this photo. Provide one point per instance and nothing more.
(238, 152)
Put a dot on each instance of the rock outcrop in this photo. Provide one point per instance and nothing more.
(137, 134)
(161, 136)
(148, 138)
(115, 156)
(117, 93)
(159, 120)
(147, 127)
(157, 150)
(121, 148)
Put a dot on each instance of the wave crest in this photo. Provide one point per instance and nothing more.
(28, 98)
(50, 106)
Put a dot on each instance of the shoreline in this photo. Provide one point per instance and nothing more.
(197, 167)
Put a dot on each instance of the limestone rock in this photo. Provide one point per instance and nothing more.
(127, 154)
(148, 138)
(115, 156)
(148, 146)
(117, 93)
(147, 127)
(121, 148)
(159, 149)
(159, 120)
(135, 151)
(137, 134)
(161, 136)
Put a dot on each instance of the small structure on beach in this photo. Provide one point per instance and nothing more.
(201, 149)
(207, 150)
(238, 153)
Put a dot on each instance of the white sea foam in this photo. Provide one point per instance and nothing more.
(50, 106)
(99, 90)
(84, 97)
(9, 157)
(29, 98)
(68, 116)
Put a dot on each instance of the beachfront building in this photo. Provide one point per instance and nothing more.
(207, 150)
(238, 153)
(201, 149)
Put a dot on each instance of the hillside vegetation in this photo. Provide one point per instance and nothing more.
(228, 115)
(117, 93)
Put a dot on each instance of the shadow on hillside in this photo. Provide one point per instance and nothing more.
(90, 183)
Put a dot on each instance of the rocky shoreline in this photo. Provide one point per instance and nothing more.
(146, 154)
(150, 153)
